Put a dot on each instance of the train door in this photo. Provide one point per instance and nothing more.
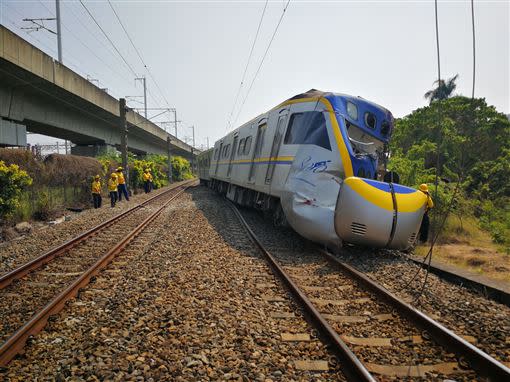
(257, 151)
(277, 141)
(233, 153)
(218, 159)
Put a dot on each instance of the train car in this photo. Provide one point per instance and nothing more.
(313, 162)
(204, 163)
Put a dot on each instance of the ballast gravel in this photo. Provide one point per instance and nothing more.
(188, 301)
(25, 248)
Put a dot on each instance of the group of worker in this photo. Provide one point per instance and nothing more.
(117, 187)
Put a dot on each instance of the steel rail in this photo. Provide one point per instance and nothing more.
(16, 342)
(353, 368)
(480, 361)
(49, 255)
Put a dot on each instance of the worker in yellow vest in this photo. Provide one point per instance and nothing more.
(121, 187)
(112, 189)
(147, 180)
(96, 191)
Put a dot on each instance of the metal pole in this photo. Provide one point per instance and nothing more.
(58, 151)
(59, 32)
(193, 127)
(142, 78)
(168, 141)
(123, 137)
(207, 143)
(175, 122)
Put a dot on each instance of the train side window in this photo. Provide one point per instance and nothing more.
(216, 154)
(240, 149)
(247, 145)
(308, 128)
(227, 150)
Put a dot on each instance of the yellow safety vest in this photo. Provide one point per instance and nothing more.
(147, 176)
(120, 178)
(96, 187)
(112, 184)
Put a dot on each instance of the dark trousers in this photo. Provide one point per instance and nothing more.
(113, 197)
(122, 189)
(97, 200)
(424, 228)
(147, 186)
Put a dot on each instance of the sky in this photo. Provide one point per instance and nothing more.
(197, 51)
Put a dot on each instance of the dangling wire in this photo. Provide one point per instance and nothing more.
(474, 46)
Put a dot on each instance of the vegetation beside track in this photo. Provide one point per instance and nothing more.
(474, 167)
(34, 187)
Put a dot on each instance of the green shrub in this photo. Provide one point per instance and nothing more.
(12, 183)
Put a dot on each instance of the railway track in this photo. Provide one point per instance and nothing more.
(375, 335)
(41, 287)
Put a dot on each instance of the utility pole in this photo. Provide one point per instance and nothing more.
(59, 32)
(175, 121)
(193, 128)
(144, 93)
(207, 143)
(123, 137)
(168, 141)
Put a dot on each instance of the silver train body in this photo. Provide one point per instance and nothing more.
(313, 161)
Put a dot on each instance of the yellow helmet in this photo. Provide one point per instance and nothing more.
(424, 187)
(114, 175)
(119, 168)
(97, 177)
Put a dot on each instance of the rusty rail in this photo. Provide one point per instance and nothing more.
(480, 361)
(352, 366)
(49, 255)
(17, 341)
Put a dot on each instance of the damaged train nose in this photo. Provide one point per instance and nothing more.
(378, 214)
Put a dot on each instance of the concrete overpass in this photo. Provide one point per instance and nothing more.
(43, 96)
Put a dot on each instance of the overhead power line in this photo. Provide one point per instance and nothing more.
(246, 67)
(108, 38)
(138, 53)
(262, 61)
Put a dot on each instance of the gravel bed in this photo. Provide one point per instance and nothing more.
(25, 248)
(309, 270)
(24, 297)
(185, 302)
(459, 309)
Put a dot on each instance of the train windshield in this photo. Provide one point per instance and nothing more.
(363, 143)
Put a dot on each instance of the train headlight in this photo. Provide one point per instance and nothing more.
(370, 120)
(352, 110)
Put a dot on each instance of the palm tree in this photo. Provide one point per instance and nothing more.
(443, 90)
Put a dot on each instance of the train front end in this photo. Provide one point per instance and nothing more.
(370, 212)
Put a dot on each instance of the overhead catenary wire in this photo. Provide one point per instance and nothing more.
(138, 53)
(262, 61)
(108, 38)
(246, 67)
(84, 44)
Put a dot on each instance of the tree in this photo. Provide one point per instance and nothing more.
(443, 90)
(12, 182)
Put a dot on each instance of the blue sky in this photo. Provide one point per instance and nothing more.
(383, 51)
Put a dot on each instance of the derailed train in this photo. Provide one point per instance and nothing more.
(313, 162)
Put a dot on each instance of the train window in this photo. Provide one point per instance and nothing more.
(308, 128)
(370, 120)
(352, 110)
(216, 154)
(247, 145)
(227, 150)
(240, 149)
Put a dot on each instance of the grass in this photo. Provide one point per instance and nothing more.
(464, 244)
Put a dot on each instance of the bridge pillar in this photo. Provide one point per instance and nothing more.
(92, 150)
(12, 134)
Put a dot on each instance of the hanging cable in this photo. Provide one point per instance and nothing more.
(246, 67)
(138, 53)
(474, 50)
(262, 61)
(108, 38)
